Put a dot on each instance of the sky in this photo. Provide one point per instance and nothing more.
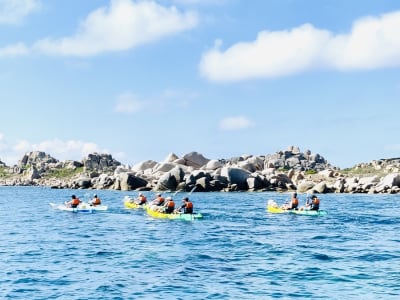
(142, 79)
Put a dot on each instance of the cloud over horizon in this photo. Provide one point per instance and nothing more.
(122, 25)
(57, 148)
(373, 42)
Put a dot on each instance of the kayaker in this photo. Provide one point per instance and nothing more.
(169, 206)
(158, 201)
(95, 201)
(74, 202)
(186, 207)
(314, 205)
(141, 199)
(293, 204)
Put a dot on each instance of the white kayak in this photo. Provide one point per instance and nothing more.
(83, 207)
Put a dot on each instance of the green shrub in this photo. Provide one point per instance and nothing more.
(310, 172)
(63, 173)
(4, 173)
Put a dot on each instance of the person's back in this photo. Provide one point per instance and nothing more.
(169, 206)
(294, 202)
(74, 201)
(314, 203)
(158, 201)
(96, 200)
(142, 199)
(187, 206)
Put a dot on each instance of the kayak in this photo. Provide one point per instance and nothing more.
(132, 205)
(272, 207)
(83, 207)
(174, 216)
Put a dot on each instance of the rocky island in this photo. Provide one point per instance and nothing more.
(286, 170)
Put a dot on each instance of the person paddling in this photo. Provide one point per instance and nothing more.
(169, 206)
(74, 202)
(95, 201)
(186, 207)
(314, 205)
(141, 199)
(294, 203)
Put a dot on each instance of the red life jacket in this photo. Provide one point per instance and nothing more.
(96, 201)
(142, 199)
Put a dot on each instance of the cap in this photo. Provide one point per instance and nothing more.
(158, 194)
(313, 197)
(168, 198)
(140, 194)
(94, 195)
(73, 196)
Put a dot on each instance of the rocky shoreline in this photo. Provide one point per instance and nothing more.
(287, 170)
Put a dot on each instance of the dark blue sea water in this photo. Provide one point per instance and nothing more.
(238, 251)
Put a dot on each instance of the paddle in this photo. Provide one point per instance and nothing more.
(192, 190)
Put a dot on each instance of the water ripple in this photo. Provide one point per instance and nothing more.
(241, 252)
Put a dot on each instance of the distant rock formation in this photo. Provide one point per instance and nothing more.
(286, 170)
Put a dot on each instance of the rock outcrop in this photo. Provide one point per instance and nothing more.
(287, 170)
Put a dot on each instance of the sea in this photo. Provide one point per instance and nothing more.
(237, 251)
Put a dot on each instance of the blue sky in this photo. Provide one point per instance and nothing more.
(142, 79)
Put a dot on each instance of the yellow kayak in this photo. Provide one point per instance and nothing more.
(276, 210)
(131, 205)
(174, 216)
(272, 207)
(128, 203)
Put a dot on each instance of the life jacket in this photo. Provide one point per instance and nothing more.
(188, 207)
(160, 200)
(171, 204)
(75, 201)
(96, 201)
(315, 204)
(295, 202)
(142, 199)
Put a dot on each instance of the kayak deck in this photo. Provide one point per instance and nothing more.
(83, 207)
(174, 216)
(132, 205)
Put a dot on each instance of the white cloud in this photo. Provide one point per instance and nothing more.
(121, 26)
(235, 123)
(127, 103)
(59, 149)
(14, 50)
(373, 42)
(14, 11)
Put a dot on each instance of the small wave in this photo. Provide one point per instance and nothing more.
(371, 257)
